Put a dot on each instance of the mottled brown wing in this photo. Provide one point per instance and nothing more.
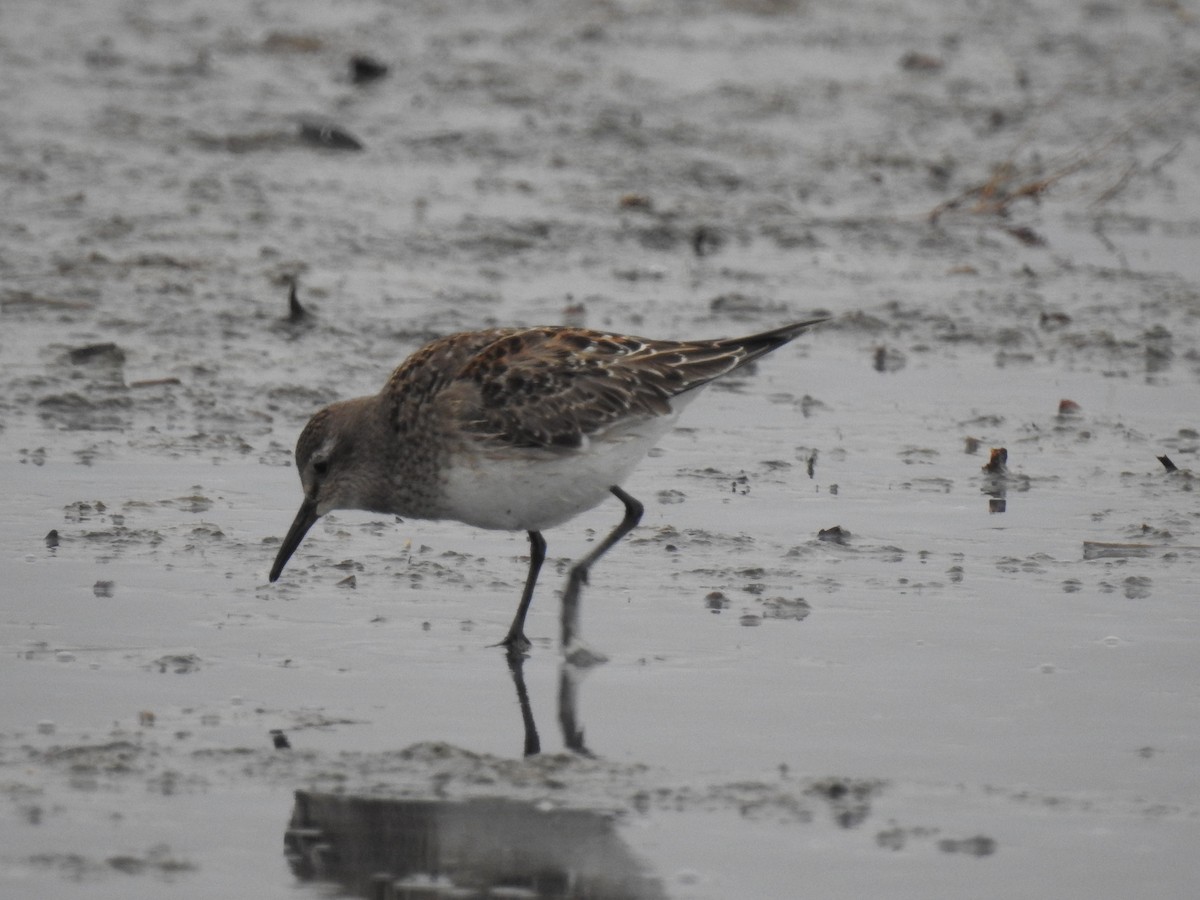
(433, 366)
(552, 387)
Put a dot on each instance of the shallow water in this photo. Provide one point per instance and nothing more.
(986, 688)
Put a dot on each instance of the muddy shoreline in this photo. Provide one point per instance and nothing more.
(955, 697)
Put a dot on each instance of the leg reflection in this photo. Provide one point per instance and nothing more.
(568, 718)
(569, 677)
(516, 667)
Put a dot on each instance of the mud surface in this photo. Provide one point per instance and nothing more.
(980, 684)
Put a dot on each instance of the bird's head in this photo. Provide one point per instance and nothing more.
(329, 474)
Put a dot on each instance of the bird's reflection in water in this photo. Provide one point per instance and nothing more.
(389, 849)
(568, 718)
(403, 849)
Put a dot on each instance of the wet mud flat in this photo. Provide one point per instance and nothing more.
(847, 657)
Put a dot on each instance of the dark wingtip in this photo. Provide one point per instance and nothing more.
(799, 327)
(756, 345)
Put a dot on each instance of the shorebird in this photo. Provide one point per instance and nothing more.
(517, 429)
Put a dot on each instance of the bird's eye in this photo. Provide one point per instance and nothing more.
(321, 467)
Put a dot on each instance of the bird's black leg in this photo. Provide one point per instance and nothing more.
(516, 642)
(579, 572)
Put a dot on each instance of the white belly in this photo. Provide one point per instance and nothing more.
(530, 490)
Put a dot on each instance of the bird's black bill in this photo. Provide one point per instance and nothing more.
(304, 520)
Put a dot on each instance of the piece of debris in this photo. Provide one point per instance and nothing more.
(1068, 408)
(289, 42)
(178, 663)
(364, 69)
(280, 740)
(328, 136)
(887, 359)
(107, 353)
(1165, 460)
(155, 382)
(296, 312)
(274, 139)
(1115, 550)
(716, 601)
(706, 240)
(997, 463)
(796, 608)
(1121, 550)
(912, 61)
(835, 535)
(1026, 236)
(1051, 321)
(980, 845)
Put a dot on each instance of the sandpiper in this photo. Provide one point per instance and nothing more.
(518, 429)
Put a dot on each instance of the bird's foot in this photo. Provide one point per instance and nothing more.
(516, 644)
